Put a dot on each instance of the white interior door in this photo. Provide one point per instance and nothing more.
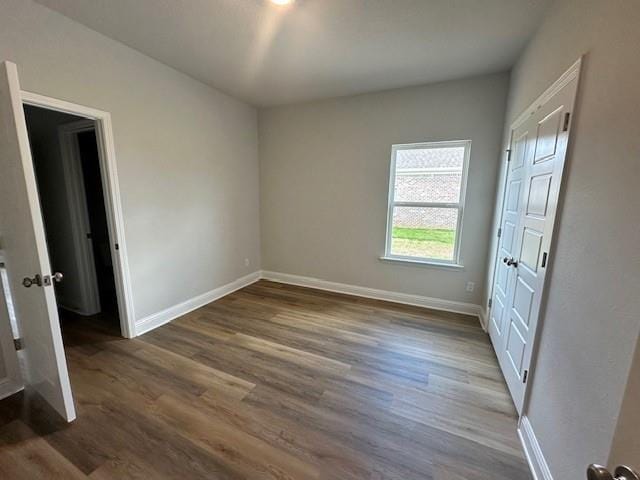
(10, 377)
(23, 242)
(538, 150)
(504, 277)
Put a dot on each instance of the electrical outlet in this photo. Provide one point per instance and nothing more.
(470, 286)
(247, 262)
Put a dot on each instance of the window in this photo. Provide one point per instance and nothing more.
(426, 201)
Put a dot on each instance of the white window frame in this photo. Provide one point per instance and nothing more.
(456, 262)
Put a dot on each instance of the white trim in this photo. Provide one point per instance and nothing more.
(460, 205)
(80, 225)
(165, 316)
(484, 319)
(532, 451)
(10, 386)
(559, 84)
(422, 263)
(396, 297)
(111, 187)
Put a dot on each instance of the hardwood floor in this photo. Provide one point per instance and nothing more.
(276, 382)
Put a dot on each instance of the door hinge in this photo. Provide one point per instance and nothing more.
(490, 302)
(509, 155)
(524, 377)
(117, 246)
(499, 232)
(567, 119)
(17, 343)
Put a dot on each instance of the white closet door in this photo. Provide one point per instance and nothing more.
(505, 275)
(538, 152)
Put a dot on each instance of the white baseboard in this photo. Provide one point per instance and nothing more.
(396, 297)
(9, 387)
(147, 324)
(484, 318)
(78, 311)
(533, 452)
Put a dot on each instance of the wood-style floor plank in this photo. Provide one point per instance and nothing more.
(275, 382)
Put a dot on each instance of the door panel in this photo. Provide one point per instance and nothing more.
(498, 315)
(522, 301)
(537, 166)
(547, 137)
(530, 250)
(515, 347)
(539, 195)
(521, 153)
(513, 200)
(25, 251)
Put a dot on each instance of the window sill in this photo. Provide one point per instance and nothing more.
(423, 263)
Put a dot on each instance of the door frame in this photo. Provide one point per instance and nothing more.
(76, 198)
(113, 204)
(572, 73)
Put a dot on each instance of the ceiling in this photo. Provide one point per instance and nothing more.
(269, 55)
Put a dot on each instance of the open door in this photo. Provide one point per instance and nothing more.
(22, 240)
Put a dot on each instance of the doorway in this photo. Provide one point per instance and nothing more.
(70, 188)
(29, 307)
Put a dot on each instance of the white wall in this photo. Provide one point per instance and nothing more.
(324, 170)
(592, 318)
(186, 154)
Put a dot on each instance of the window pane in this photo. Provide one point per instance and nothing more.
(429, 174)
(424, 232)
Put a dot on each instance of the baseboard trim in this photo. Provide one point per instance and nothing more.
(78, 311)
(165, 316)
(10, 387)
(484, 317)
(533, 452)
(158, 319)
(396, 297)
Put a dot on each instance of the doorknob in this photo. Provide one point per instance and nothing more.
(36, 280)
(598, 472)
(40, 281)
(510, 262)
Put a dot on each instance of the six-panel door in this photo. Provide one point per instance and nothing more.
(539, 147)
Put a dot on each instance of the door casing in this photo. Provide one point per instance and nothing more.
(110, 184)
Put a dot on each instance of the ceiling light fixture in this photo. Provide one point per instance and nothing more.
(282, 2)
